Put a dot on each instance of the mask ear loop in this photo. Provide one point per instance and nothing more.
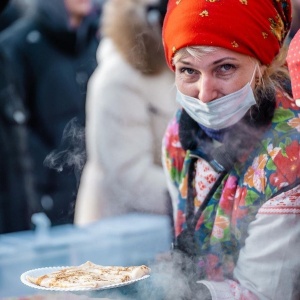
(253, 75)
(258, 79)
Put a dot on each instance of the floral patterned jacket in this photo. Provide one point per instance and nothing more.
(247, 207)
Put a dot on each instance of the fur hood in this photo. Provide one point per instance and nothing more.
(135, 33)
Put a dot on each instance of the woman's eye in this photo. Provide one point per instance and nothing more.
(227, 67)
(187, 71)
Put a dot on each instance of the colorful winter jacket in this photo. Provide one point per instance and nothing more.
(254, 185)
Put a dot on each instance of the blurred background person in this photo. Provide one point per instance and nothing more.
(293, 63)
(130, 101)
(295, 25)
(46, 60)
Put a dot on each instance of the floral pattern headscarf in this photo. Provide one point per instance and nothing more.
(250, 27)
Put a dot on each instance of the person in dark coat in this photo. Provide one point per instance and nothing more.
(46, 60)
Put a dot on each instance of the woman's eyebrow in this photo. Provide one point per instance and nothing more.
(223, 59)
(184, 62)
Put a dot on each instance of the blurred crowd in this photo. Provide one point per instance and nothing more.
(54, 119)
(85, 98)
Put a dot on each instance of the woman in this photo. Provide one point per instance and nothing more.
(231, 154)
(130, 101)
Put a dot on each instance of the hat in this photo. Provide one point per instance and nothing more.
(251, 27)
(293, 61)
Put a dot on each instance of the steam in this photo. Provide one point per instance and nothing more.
(71, 152)
(166, 282)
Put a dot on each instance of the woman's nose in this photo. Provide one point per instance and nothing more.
(207, 89)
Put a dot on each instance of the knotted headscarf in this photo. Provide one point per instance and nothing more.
(251, 27)
(293, 60)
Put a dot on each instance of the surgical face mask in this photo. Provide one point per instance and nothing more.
(220, 113)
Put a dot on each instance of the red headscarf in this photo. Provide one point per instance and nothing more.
(293, 60)
(253, 27)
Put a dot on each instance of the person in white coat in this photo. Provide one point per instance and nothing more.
(129, 103)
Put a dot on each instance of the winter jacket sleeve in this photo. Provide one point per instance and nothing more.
(16, 195)
(267, 267)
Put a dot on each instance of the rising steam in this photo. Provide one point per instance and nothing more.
(71, 152)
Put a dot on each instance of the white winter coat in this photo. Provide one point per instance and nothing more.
(127, 114)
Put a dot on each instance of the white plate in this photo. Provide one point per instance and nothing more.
(43, 271)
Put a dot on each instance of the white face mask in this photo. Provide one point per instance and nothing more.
(220, 113)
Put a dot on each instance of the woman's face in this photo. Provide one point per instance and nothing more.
(215, 74)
